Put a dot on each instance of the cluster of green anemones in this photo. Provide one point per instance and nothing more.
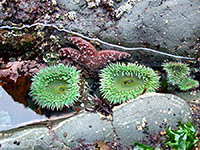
(55, 87)
(121, 82)
(178, 73)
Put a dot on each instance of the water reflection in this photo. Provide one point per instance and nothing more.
(14, 114)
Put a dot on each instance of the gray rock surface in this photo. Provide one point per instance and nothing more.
(173, 25)
(132, 121)
(149, 113)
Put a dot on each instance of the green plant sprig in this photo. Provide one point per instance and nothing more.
(182, 138)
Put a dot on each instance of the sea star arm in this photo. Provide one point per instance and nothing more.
(112, 55)
(89, 56)
(85, 47)
(70, 53)
(106, 56)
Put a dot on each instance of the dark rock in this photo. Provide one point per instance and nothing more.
(170, 27)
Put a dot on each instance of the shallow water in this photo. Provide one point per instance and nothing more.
(14, 114)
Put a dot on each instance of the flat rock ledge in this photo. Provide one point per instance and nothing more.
(132, 121)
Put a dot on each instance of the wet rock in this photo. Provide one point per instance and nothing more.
(26, 139)
(22, 11)
(189, 96)
(132, 121)
(165, 23)
(171, 27)
(169, 24)
(149, 114)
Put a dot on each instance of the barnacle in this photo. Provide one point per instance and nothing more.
(176, 72)
(121, 82)
(188, 83)
(55, 87)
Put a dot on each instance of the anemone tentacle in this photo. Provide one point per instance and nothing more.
(188, 83)
(55, 87)
(176, 72)
(121, 82)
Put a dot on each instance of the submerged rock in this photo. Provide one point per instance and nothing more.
(132, 121)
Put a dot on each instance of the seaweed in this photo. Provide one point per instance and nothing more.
(182, 138)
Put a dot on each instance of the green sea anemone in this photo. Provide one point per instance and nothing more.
(121, 82)
(176, 71)
(187, 84)
(55, 87)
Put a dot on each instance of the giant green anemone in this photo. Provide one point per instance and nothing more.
(188, 83)
(121, 82)
(55, 87)
(176, 71)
